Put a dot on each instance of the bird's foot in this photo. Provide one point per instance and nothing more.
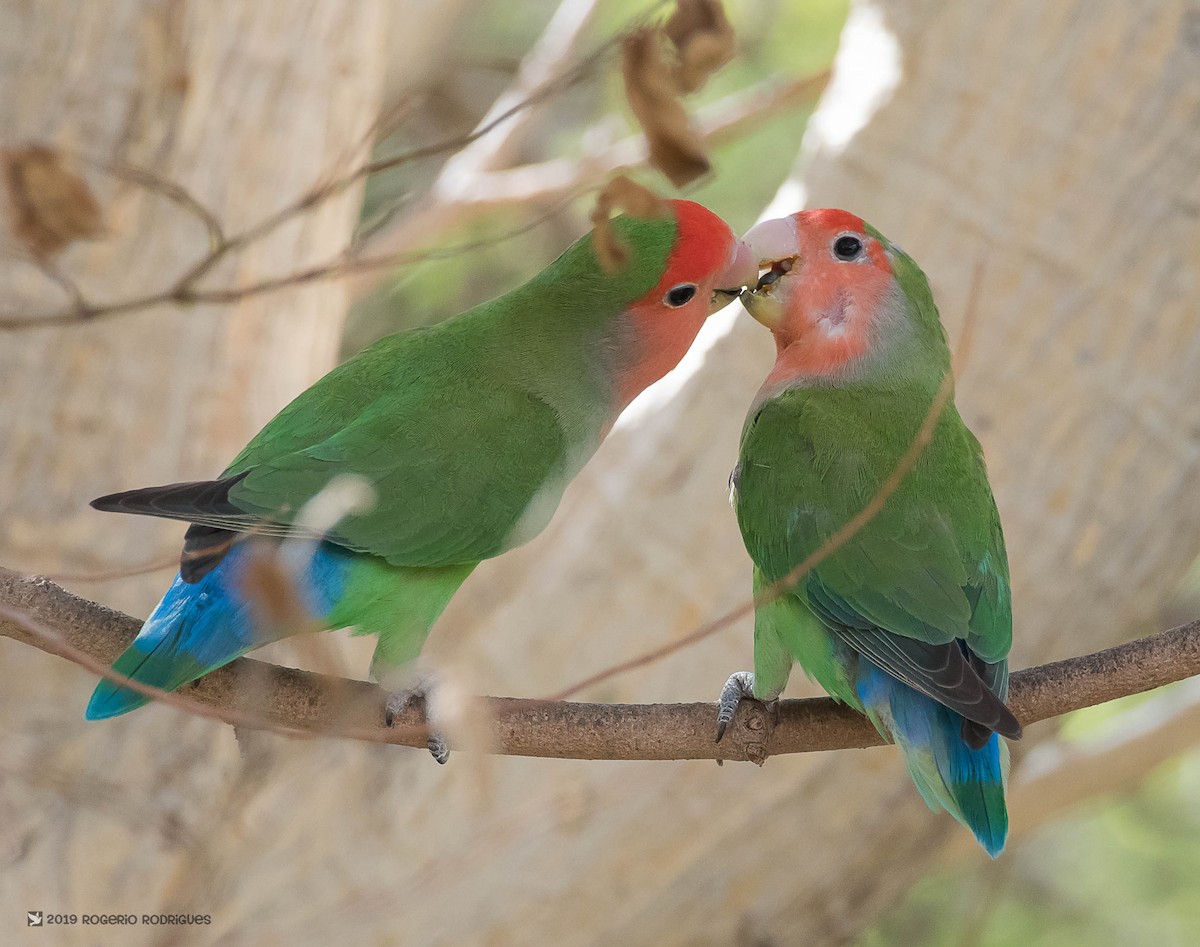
(418, 693)
(759, 724)
(739, 685)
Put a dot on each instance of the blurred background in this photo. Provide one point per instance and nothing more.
(1057, 143)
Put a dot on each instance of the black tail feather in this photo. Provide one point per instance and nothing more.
(195, 500)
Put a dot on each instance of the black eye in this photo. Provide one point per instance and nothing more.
(847, 247)
(680, 295)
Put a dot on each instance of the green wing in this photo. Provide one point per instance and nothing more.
(455, 449)
(930, 565)
(927, 570)
(465, 457)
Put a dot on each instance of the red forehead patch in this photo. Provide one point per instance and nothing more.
(830, 220)
(702, 243)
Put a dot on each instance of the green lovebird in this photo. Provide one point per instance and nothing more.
(467, 432)
(909, 621)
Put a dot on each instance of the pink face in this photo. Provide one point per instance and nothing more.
(706, 268)
(824, 288)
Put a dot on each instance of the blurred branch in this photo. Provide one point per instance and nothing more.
(471, 184)
(182, 294)
(496, 138)
(542, 77)
(464, 193)
(541, 66)
(722, 121)
(298, 702)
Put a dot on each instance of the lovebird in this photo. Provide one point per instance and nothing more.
(467, 433)
(909, 621)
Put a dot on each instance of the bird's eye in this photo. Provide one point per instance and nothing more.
(847, 247)
(680, 295)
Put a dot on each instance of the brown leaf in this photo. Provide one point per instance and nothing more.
(635, 200)
(652, 89)
(49, 206)
(703, 38)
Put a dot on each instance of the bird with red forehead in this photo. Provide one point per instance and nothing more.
(908, 620)
(464, 434)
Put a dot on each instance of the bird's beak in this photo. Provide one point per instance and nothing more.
(740, 271)
(775, 248)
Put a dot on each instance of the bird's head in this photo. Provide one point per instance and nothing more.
(705, 268)
(841, 300)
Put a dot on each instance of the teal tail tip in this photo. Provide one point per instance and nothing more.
(980, 801)
(110, 699)
(992, 838)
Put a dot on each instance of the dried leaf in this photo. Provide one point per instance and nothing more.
(652, 89)
(623, 193)
(637, 201)
(49, 206)
(704, 39)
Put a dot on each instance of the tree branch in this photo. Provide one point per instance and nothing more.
(300, 702)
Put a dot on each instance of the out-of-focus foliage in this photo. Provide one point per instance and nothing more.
(777, 39)
(1120, 870)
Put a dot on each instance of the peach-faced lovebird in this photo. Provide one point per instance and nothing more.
(909, 620)
(467, 432)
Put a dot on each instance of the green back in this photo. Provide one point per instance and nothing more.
(461, 427)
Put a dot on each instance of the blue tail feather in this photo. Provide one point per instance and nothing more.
(968, 783)
(199, 627)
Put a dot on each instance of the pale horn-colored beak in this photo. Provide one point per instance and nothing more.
(741, 270)
(775, 247)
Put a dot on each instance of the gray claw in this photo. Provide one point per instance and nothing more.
(739, 685)
(399, 701)
(438, 746)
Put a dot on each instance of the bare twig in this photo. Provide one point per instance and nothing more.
(552, 85)
(340, 266)
(171, 190)
(298, 701)
(546, 60)
(561, 179)
(553, 183)
(184, 291)
(789, 581)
